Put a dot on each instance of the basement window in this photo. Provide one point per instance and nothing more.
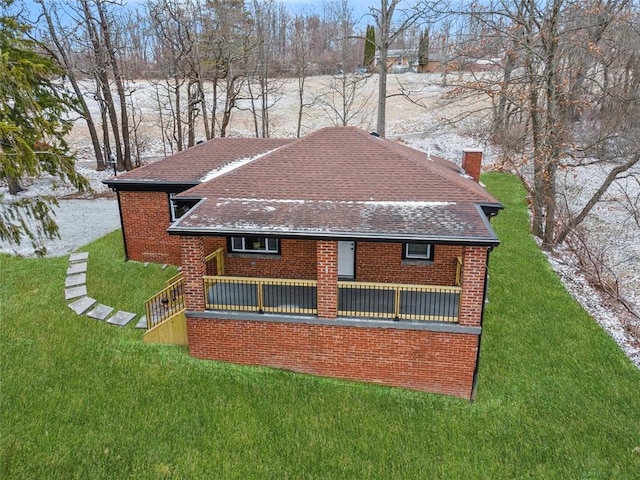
(254, 244)
(418, 251)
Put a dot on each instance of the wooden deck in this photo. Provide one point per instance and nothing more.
(355, 299)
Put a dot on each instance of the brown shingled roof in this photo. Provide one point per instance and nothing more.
(190, 165)
(341, 181)
(345, 163)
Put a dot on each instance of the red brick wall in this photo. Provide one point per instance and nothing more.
(383, 262)
(473, 280)
(420, 360)
(193, 269)
(145, 219)
(297, 260)
(472, 163)
(375, 262)
(327, 288)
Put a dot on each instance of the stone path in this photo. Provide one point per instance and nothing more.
(76, 291)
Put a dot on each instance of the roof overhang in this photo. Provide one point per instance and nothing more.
(148, 185)
(433, 222)
(303, 234)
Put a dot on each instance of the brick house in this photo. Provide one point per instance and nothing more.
(146, 194)
(339, 254)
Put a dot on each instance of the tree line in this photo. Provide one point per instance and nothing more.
(204, 58)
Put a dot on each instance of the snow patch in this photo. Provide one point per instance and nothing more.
(229, 167)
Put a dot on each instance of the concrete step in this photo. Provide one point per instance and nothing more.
(76, 268)
(75, 292)
(121, 318)
(82, 305)
(100, 312)
(78, 257)
(142, 323)
(75, 280)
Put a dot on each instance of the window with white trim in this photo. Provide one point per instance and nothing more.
(418, 251)
(254, 244)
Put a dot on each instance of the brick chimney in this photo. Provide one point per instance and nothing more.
(472, 162)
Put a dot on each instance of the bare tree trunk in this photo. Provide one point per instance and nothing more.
(384, 21)
(161, 118)
(125, 156)
(214, 104)
(63, 58)
(203, 106)
(501, 121)
(14, 186)
(254, 112)
(611, 177)
(301, 82)
(192, 111)
(102, 77)
(232, 92)
(177, 126)
(553, 134)
(106, 135)
(382, 92)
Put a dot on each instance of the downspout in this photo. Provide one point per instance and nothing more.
(124, 237)
(474, 384)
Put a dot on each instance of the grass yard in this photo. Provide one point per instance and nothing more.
(82, 399)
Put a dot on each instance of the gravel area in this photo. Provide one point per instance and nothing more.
(79, 221)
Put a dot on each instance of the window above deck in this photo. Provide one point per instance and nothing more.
(418, 251)
(254, 244)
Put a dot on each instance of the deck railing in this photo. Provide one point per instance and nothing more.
(214, 262)
(458, 270)
(399, 301)
(165, 303)
(260, 294)
(175, 278)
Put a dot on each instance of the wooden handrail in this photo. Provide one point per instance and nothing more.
(166, 303)
(246, 301)
(438, 311)
(175, 278)
(218, 256)
(401, 286)
(458, 270)
(273, 281)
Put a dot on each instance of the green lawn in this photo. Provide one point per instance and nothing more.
(82, 399)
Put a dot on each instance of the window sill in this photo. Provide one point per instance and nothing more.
(417, 262)
(270, 256)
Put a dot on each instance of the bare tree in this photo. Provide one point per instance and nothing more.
(267, 18)
(343, 101)
(58, 45)
(99, 25)
(85, 44)
(301, 52)
(386, 35)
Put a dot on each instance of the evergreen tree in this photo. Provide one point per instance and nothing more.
(369, 47)
(33, 106)
(423, 51)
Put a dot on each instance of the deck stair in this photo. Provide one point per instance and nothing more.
(165, 318)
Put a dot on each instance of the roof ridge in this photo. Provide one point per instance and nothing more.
(235, 164)
(457, 177)
(350, 151)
